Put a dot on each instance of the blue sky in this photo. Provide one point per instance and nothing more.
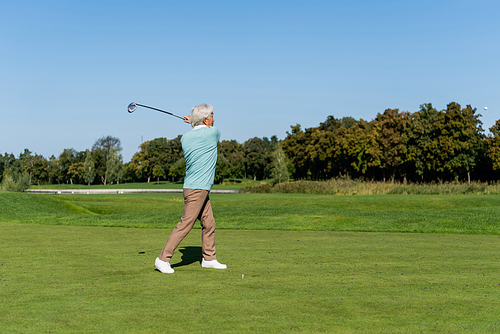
(69, 69)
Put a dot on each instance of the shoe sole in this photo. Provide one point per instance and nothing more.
(213, 267)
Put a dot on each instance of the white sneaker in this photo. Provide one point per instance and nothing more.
(212, 264)
(163, 266)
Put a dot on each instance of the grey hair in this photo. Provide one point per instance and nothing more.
(200, 112)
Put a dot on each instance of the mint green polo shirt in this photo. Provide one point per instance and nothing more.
(200, 152)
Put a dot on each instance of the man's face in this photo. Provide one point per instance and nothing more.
(209, 121)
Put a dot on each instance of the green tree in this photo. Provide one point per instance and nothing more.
(2, 167)
(318, 153)
(493, 146)
(422, 144)
(159, 151)
(312, 151)
(128, 173)
(281, 165)
(257, 156)
(53, 170)
(40, 170)
(235, 155)
(164, 153)
(76, 171)
(269, 156)
(158, 172)
(89, 169)
(360, 148)
(27, 160)
(460, 141)
(114, 167)
(65, 160)
(14, 167)
(139, 165)
(178, 170)
(99, 158)
(101, 152)
(106, 144)
(392, 130)
(294, 146)
(6, 162)
(322, 149)
(222, 169)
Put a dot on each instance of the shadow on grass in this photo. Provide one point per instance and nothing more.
(190, 254)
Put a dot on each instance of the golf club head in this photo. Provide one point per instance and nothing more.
(131, 107)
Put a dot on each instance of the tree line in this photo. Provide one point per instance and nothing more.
(424, 146)
(163, 158)
(101, 164)
(156, 159)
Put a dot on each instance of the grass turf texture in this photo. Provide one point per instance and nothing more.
(77, 278)
(377, 213)
(65, 279)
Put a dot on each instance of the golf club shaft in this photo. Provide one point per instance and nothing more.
(163, 111)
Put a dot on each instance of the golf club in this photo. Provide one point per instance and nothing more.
(131, 108)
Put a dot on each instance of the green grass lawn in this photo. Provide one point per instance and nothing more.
(376, 213)
(64, 279)
(73, 263)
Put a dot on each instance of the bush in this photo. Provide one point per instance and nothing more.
(346, 186)
(16, 182)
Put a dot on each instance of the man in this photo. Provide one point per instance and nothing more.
(200, 152)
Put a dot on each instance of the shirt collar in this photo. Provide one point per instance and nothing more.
(199, 126)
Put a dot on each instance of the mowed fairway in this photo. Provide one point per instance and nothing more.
(76, 278)
(467, 214)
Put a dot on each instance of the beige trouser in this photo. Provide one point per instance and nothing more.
(196, 206)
